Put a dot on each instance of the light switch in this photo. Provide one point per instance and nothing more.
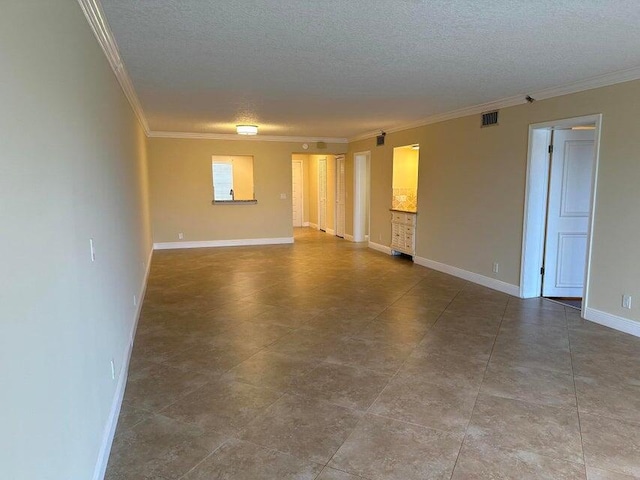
(283, 196)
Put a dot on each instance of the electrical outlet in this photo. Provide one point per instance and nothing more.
(113, 370)
(180, 236)
(496, 267)
(283, 196)
(626, 301)
(92, 250)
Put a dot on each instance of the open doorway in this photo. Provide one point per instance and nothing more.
(560, 195)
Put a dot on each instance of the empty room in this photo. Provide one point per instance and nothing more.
(319, 240)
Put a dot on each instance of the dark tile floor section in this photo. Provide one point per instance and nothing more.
(326, 360)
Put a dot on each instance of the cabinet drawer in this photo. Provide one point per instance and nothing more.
(409, 230)
(410, 218)
(398, 217)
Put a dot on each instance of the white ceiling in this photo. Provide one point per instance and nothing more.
(340, 68)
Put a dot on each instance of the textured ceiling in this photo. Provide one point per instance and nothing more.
(339, 68)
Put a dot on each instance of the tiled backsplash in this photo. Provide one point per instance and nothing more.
(405, 199)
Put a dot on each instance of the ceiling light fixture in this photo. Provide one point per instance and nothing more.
(247, 129)
(415, 147)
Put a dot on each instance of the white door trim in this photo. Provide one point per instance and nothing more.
(361, 160)
(320, 161)
(301, 189)
(536, 192)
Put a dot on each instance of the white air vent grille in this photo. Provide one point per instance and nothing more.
(490, 118)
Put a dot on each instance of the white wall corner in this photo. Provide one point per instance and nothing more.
(116, 404)
(380, 248)
(222, 243)
(488, 282)
(612, 321)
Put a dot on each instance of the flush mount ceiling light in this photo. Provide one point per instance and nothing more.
(247, 129)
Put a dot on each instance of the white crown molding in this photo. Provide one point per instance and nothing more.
(489, 282)
(599, 81)
(242, 242)
(605, 80)
(97, 20)
(255, 138)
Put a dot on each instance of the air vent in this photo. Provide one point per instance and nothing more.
(490, 118)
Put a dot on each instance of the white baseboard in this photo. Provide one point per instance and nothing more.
(613, 321)
(330, 231)
(305, 224)
(116, 404)
(380, 248)
(348, 237)
(489, 282)
(222, 243)
(314, 225)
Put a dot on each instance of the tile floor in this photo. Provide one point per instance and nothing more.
(327, 360)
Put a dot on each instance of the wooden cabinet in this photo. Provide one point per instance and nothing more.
(403, 230)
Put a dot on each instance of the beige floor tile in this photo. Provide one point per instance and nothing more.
(410, 399)
(333, 474)
(223, 406)
(399, 332)
(305, 428)
(378, 356)
(158, 386)
(159, 448)
(508, 352)
(480, 461)
(224, 333)
(449, 342)
(270, 370)
(611, 444)
(468, 323)
(609, 399)
(540, 429)
(531, 385)
(452, 370)
(597, 474)
(343, 385)
(243, 460)
(381, 448)
(548, 335)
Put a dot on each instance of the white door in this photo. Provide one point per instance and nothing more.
(361, 196)
(296, 195)
(568, 213)
(322, 194)
(340, 197)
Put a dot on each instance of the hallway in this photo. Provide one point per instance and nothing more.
(327, 360)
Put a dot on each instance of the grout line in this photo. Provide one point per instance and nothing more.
(479, 389)
(575, 389)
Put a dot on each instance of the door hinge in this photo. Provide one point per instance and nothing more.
(550, 148)
(541, 270)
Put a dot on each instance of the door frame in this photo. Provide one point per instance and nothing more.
(340, 159)
(361, 183)
(535, 207)
(301, 188)
(326, 171)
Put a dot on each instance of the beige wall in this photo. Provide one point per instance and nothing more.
(72, 167)
(181, 192)
(472, 184)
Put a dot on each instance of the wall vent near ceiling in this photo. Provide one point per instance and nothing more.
(490, 118)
